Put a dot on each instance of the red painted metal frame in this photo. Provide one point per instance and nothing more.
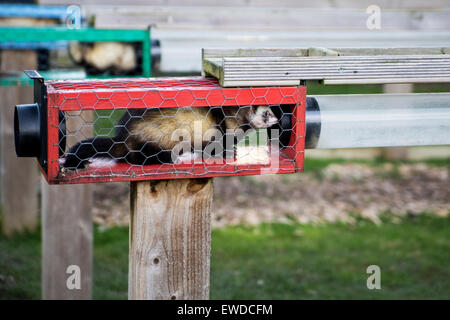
(164, 93)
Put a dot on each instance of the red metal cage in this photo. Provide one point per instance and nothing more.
(74, 98)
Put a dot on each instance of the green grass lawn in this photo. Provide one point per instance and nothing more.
(274, 261)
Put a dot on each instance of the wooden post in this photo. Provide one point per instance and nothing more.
(397, 153)
(170, 239)
(67, 230)
(66, 242)
(19, 177)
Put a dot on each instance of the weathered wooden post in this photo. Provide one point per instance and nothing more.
(170, 239)
(18, 177)
(67, 230)
(66, 242)
(397, 153)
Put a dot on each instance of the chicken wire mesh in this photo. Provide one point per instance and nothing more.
(143, 129)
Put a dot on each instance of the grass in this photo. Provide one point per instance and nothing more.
(20, 268)
(279, 261)
(314, 88)
(283, 261)
(274, 261)
(315, 165)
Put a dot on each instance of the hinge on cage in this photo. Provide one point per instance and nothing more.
(33, 74)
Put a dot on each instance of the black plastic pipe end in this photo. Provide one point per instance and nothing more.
(313, 123)
(27, 130)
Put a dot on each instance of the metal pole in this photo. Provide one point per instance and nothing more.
(146, 55)
(377, 120)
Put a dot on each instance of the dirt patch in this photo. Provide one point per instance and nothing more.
(339, 193)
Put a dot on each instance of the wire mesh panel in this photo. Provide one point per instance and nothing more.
(142, 129)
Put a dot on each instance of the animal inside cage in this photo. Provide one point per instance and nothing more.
(143, 129)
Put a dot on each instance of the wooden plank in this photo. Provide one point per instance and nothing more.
(67, 229)
(387, 80)
(265, 83)
(170, 239)
(387, 4)
(260, 67)
(322, 52)
(213, 59)
(19, 177)
(212, 67)
(263, 61)
(209, 53)
(259, 17)
(391, 51)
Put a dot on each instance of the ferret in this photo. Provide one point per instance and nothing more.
(150, 136)
(100, 57)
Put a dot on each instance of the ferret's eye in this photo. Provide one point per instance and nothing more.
(266, 114)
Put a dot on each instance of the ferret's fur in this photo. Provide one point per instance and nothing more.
(148, 136)
(100, 57)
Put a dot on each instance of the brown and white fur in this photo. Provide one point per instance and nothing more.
(99, 57)
(149, 136)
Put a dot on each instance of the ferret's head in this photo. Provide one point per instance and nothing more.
(260, 117)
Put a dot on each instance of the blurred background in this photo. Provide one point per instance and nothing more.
(299, 236)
